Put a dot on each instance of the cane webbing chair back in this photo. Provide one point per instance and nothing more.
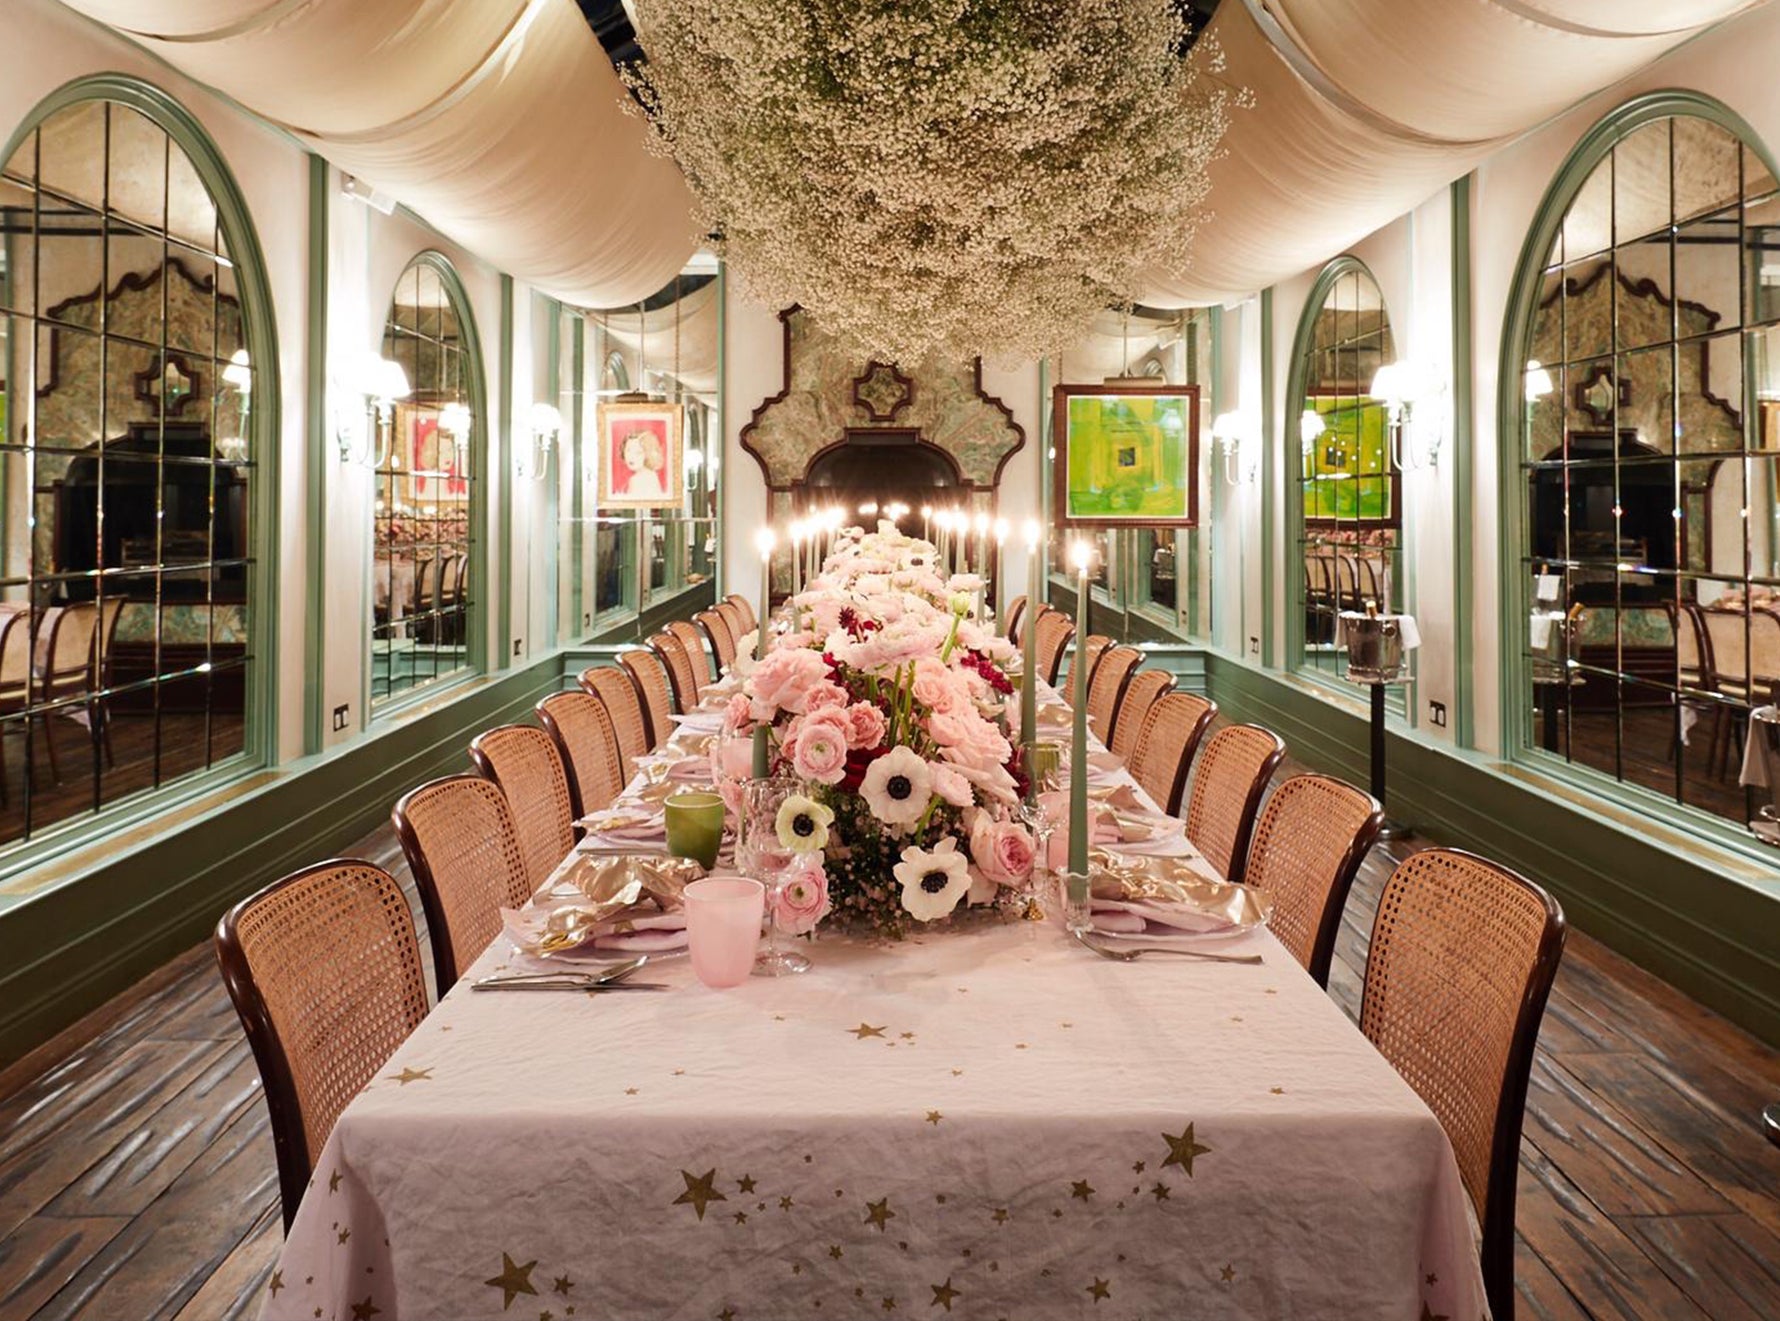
(722, 640)
(1088, 655)
(624, 707)
(735, 621)
(524, 761)
(1054, 633)
(673, 658)
(1106, 687)
(1016, 610)
(744, 610)
(588, 745)
(1166, 745)
(1227, 788)
(461, 844)
(1141, 693)
(1461, 962)
(651, 679)
(695, 642)
(1309, 842)
(325, 972)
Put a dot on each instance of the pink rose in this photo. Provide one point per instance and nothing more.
(1002, 850)
(937, 688)
(779, 681)
(802, 901)
(821, 750)
(820, 696)
(951, 785)
(865, 725)
(738, 716)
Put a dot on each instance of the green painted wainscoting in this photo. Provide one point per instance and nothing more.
(1702, 917)
(129, 910)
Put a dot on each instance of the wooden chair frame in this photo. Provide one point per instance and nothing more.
(1251, 806)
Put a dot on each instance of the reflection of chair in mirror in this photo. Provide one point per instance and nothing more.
(1347, 578)
(1373, 581)
(105, 641)
(64, 668)
(1320, 606)
(15, 679)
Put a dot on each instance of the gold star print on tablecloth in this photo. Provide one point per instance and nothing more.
(366, 1310)
(1081, 1188)
(1000, 1216)
(563, 1285)
(879, 1213)
(1101, 1289)
(700, 1191)
(785, 1204)
(1182, 1150)
(513, 1280)
(834, 1250)
(1429, 1314)
(407, 1076)
(933, 1117)
(727, 1314)
(865, 1030)
(745, 1183)
(1160, 1191)
(344, 1234)
(275, 1283)
(944, 1294)
(1228, 1273)
(334, 1182)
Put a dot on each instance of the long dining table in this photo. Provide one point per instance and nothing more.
(987, 1122)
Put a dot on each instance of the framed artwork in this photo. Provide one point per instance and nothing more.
(1347, 469)
(641, 455)
(1127, 455)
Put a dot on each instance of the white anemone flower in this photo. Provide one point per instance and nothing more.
(933, 880)
(897, 787)
(802, 824)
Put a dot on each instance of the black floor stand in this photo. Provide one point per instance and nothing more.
(1391, 829)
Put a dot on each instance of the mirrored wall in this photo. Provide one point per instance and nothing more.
(1650, 567)
(639, 460)
(1164, 573)
(427, 437)
(1348, 538)
(128, 469)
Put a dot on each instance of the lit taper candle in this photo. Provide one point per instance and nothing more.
(1081, 555)
(763, 541)
(1029, 654)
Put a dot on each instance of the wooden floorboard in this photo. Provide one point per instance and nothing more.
(137, 1176)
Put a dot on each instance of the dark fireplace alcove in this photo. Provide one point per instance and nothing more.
(882, 465)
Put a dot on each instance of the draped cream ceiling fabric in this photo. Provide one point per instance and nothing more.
(500, 121)
(1365, 107)
(688, 350)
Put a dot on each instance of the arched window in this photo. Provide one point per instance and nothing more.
(1346, 511)
(426, 576)
(139, 394)
(1641, 423)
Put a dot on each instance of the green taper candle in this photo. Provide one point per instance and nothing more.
(1029, 656)
(1078, 748)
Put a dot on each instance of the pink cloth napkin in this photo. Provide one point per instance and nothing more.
(1117, 917)
(1103, 827)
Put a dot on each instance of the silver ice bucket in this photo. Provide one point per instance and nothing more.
(1764, 737)
(1374, 648)
(1551, 657)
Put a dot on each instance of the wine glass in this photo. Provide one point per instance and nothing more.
(760, 854)
(1043, 767)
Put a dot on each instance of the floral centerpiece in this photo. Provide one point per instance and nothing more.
(889, 702)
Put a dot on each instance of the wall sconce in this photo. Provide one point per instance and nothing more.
(1310, 426)
(1539, 383)
(546, 424)
(378, 384)
(1400, 386)
(1232, 433)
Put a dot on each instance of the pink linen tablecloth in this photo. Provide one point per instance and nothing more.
(988, 1122)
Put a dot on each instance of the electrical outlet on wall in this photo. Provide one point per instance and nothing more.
(1437, 714)
(1254, 646)
(518, 646)
(340, 716)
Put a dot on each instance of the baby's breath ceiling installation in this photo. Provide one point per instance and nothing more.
(958, 176)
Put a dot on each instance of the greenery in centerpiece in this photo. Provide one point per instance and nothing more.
(890, 704)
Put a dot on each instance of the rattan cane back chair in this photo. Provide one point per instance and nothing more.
(1309, 842)
(1462, 958)
(1166, 746)
(1141, 693)
(744, 610)
(624, 707)
(325, 972)
(1106, 687)
(1227, 787)
(696, 645)
(1016, 608)
(588, 745)
(735, 621)
(1054, 633)
(651, 679)
(1096, 647)
(722, 640)
(524, 761)
(678, 665)
(461, 844)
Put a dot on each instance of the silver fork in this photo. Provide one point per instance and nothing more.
(604, 977)
(1131, 955)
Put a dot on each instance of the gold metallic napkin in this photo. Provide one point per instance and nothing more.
(614, 885)
(1173, 881)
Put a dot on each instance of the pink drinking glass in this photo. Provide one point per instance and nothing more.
(723, 928)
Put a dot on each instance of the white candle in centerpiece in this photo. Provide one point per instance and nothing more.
(1000, 558)
(1081, 555)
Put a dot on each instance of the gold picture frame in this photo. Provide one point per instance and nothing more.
(641, 455)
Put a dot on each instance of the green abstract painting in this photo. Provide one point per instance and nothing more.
(1347, 468)
(1127, 455)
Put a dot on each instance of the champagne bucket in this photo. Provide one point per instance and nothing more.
(1374, 648)
(1764, 732)
(1551, 657)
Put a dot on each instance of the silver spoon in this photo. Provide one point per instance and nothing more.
(1131, 955)
(601, 978)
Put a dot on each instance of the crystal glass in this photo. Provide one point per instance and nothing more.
(1077, 905)
(760, 854)
(1043, 765)
(723, 928)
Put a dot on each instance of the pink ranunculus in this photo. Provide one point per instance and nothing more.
(802, 901)
(1002, 850)
(865, 725)
(936, 687)
(821, 751)
(780, 680)
(966, 739)
(738, 717)
(951, 785)
(824, 696)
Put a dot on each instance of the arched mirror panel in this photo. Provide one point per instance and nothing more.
(429, 439)
(1349, 533)
(135, 424)
(1649, 411)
